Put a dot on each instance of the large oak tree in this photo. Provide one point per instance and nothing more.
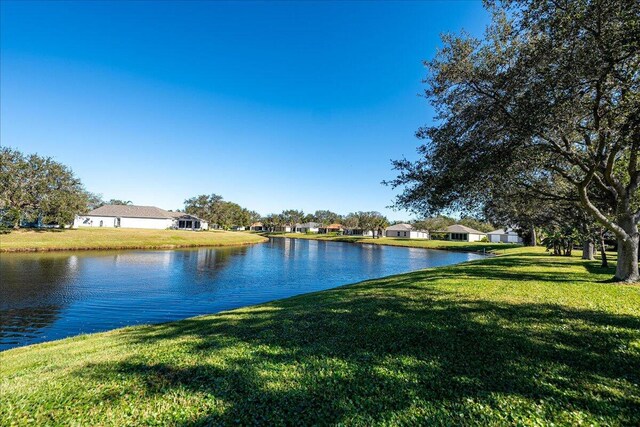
(547, 101)
(38, 190)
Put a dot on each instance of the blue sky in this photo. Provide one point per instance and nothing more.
(271, 105)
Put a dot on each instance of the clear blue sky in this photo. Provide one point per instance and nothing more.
(272, 105)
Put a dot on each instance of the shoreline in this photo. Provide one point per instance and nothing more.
(491, 249)
(120, 248)
(374, 342)
(90, 239)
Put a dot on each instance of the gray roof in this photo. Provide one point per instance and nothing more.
(309, 225)
(459, 228)
(130, 211)
(133, 211)
(502, 231)
(400, 227)
(183, 215)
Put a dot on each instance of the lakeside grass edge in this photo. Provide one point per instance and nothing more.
(505, 339)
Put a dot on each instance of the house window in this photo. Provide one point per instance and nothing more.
(405, 234)
(100, 223)
(398, 234)
(197, 225)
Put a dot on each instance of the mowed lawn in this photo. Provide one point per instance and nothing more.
(413, 243)
(119, 238)
(520, 339)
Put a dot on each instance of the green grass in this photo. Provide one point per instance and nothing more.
(119, 238)
(520, 339)
(412, 243)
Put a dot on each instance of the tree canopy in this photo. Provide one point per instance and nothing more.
(38, 190)
(218, 212)
(546, 105)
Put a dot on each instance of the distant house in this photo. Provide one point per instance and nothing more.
(357, 232)
(131, 216)
(405, 231)
(461, 233)
(238, 228)
(257, 226)
(504, 236)
(282, 228)
(307, 227)
(331, 228)
(185, 221)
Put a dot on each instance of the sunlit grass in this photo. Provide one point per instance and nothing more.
(520, 339)
(119, 238)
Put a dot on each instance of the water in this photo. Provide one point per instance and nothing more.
(48, 296)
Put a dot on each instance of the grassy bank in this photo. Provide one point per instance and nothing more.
(523, 338)
(118, 238)
(412, 243)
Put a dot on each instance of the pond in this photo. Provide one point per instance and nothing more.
(48, 296)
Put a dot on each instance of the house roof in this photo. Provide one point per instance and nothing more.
(133, 211)
(256, 224)
(308, 225)
(336, 225)
(503, 231)
(459, 228)
(401, 227)
(183, 215)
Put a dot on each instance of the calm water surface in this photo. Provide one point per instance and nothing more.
(47, 296)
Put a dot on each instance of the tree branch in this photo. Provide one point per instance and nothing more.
(593, 210)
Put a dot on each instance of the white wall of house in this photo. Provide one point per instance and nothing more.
(111, 222)
(476, 237)
(94, 221)
(505, 238)
(307, 229)
(468, 237)
(413, 234)
(419, 235)
(358, 232)
(153, 223)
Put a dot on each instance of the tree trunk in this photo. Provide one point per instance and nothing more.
(627, 266)
(588, 250)
(603, 251)
(532, 236)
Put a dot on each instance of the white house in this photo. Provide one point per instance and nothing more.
(461, 233)
(131, 216)
(308, 227)
(331, 228)
(357, 232)
(257, 226)
(406, 231)
(504, 236)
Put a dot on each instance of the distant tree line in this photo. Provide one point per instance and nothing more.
(367, 221)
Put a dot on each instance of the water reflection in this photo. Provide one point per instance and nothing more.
(47, 296)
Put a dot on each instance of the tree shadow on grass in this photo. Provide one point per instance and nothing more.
(394, 351)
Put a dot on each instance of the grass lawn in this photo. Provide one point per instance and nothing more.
(118, 238)
(519, 339)
(413, 243)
